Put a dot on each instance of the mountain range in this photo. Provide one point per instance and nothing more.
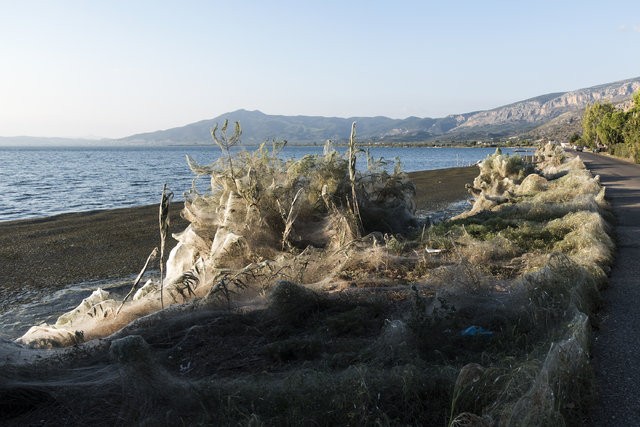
(552, 116)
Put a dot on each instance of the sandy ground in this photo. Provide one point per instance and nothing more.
(53, 252)
(435, 189)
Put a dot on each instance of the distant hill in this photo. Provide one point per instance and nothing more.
(551, 115)
(36, 141)
(554, 116)
(258, 127)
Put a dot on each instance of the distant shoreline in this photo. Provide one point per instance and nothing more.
(362, 144)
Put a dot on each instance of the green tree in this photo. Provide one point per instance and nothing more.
(611, 127)
(575, 138)
(619, 130)
(631, 131)
(592, 121)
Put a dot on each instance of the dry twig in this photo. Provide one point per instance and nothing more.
(151, 257)
(163, 218)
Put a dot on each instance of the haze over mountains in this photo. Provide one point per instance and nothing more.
(551, 115)
(554, 115)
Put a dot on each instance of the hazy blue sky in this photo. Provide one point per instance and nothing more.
(113, 68)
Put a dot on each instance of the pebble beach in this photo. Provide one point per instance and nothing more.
(51, 253)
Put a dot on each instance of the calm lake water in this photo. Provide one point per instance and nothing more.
(38, 182)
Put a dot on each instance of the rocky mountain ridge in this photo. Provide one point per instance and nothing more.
(550, 106)
(554, 116)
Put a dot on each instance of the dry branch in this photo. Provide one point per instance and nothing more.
(163, 218)
(151, 257)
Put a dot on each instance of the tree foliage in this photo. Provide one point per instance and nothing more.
(631, 129)
(603, 125)
(593, 122)
(575, 138)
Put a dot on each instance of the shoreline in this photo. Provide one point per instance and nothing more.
(53, 252)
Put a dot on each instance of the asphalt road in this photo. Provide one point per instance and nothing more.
(616, 348)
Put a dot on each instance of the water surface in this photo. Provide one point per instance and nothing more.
(39, 182)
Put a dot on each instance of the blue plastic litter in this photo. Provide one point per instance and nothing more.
(473, 331)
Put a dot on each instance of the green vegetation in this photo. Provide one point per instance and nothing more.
(619, 131)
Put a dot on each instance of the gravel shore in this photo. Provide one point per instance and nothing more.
(53, 252)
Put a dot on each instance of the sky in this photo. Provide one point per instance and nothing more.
(115, 68)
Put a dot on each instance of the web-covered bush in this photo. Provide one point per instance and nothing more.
(499, 177)
(259, 204)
